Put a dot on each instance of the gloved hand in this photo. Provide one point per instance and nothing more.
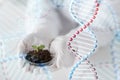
(62, 56)
(25, 45)
(42, 26)
(57, 48)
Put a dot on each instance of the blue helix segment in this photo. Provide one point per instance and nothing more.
(116, 40)
(114, 14)
(7, 59)
(47, 73)
(116, 37)
(115, 46)
(16, 57)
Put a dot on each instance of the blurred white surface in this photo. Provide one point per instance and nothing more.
(13, 14)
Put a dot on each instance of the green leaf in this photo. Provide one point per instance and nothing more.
(41, 47)
(35, 47)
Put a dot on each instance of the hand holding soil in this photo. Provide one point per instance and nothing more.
(38, 56)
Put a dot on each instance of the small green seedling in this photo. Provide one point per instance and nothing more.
(37, 48)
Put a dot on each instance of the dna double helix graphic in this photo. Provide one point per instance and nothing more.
(108, 25)
(83, 42)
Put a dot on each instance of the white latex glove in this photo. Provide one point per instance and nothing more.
(57, 48)
(62, 57)
(25, 46)
(42, 26)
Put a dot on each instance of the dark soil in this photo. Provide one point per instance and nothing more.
(42, 56)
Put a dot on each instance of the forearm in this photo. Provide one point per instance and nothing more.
(41, 16)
